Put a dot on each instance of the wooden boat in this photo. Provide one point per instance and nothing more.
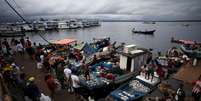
(185, 42)
(151, 32)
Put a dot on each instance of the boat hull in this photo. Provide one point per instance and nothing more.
(191, 53)
(144, 32)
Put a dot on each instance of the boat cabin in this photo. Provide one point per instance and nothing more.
(132, 58)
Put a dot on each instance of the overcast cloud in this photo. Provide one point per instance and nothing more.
(118, 9)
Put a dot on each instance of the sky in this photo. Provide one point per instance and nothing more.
(104, 9)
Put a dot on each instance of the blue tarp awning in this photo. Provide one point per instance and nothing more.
(88, 49)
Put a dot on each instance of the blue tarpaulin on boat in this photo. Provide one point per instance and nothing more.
(102, 64)
(126, 93)
(121, 94)
(88, 49)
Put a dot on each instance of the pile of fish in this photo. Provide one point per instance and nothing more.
(137, 86)
(94, 81)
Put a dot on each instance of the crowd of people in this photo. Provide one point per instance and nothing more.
(12, 75)
(54, 60)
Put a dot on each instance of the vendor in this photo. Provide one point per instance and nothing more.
(146, 72)
(94, 60)
(51, 84)
(143, 71)
(180, 94)
(86, 72)
(75, 84)
(151, 73)
(46, 64)
(31, 90)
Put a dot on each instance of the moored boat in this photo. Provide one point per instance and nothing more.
(196, 52)
(186, 25)
(186, 42)
(149, 22)
(73, 24)
(11, 34)
(63, 25)
(38, 26)
(51, 25)
(143, 32)
(133, 90)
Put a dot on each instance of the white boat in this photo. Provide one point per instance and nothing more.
(26, 27)
(39, 26)
(86, 23)
(5, 27)
(10, 30)
(51, 25)
(73, 24)
(80, 24)
(16, 28)
(63, 25)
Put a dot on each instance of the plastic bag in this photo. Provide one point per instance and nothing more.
(39, 65)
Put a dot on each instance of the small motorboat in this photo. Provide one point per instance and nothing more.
(186, 25)
(149, 22)
(143, 32)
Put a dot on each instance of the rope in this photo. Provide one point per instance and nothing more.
(23, 18)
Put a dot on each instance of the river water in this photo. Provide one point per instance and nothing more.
(122, 32)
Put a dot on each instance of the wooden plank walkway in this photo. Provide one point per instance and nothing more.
(31, 69)
(188, 73)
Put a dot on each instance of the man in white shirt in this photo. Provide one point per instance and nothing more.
(76, 86)
(75, 81)
(19, 48)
